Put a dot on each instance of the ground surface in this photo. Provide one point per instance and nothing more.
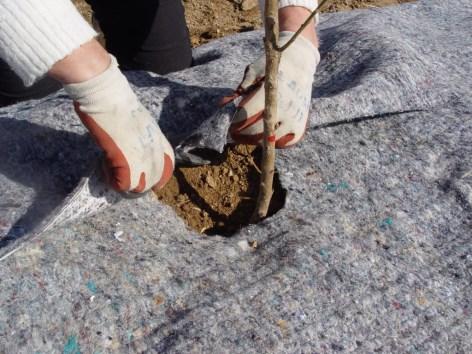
(371, 253)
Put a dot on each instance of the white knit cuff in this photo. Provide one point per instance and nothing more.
(35, 34)
(107, 86)
(308, 4)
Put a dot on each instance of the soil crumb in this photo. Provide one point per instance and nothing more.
(220, 198)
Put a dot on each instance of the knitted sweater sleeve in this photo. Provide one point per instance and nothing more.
(35, 34)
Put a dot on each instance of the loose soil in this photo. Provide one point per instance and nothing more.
(220, 198)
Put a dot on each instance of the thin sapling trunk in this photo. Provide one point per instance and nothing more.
(270, 113)
(273, 53)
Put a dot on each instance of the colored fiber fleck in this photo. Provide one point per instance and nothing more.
(130, 336)
(334, 187)
(115, 306)
(72, 346)
(331, 187)
(386, 223)
(131, 279)
(92, 286)
(323, 253)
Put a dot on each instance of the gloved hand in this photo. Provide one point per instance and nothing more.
(295, 79)
(137, 154)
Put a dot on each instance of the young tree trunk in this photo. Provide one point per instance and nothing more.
(273, 53)
(270, 113)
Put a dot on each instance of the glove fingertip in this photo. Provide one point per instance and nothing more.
(141, 184)
(166, 173)
(227, 99)
(282, 143)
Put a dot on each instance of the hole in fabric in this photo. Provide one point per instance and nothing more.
(219, 199)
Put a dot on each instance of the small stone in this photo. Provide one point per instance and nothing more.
(253, 244)
(210, 181)
(246, 5)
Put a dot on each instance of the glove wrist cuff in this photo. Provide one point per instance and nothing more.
(285, 36)
(103, 86)
(310, 5)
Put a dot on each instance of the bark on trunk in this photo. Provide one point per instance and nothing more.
(270, 114)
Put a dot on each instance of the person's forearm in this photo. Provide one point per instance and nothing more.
(291, 19)
(34, 35)
(84, 63)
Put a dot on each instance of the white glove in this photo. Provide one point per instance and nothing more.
(295, 79)
(137, 154)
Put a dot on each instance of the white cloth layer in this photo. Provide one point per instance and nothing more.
(35, 34)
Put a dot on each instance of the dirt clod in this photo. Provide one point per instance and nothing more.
(219, 198)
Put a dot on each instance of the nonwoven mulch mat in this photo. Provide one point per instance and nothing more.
(371, 253)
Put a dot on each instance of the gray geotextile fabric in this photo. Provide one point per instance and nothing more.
(371, 253)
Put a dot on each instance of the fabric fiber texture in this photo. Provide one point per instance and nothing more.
(371, 253)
